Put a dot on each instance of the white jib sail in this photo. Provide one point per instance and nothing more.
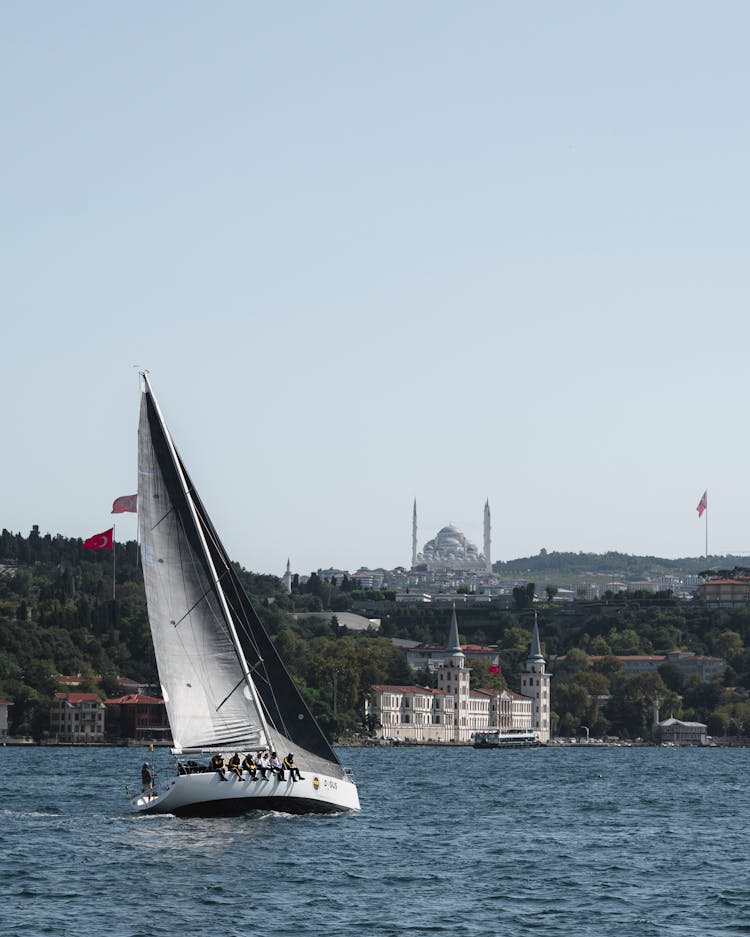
(209, 697)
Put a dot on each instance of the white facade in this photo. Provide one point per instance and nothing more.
(77, 717)
(453, 712)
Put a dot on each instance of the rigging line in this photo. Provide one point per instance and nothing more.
(234, 688)
(237, 686)
(194, 605)
(162, 518)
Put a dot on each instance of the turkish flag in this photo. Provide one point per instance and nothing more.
(102, 541)
(494, 668)
(126, 504)
(702, 504)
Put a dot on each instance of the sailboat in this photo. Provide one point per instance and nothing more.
(225, 686)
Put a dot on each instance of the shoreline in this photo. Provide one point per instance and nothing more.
(381, 743)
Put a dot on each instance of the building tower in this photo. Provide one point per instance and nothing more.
(286, 579)
(487, 536)
(655, 722)
(535, 685)
(453, 679)
(414, 536)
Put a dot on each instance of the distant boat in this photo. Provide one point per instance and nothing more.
(225, 687)
(497, 739)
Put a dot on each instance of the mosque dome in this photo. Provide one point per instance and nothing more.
(451, 549)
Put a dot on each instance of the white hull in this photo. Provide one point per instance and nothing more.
(206, 793)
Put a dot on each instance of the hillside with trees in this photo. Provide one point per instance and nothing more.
(62, 612)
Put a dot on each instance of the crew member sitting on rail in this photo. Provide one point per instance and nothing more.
(292, 768)
(264, 763)
(248, 764)
(276, 766)
(217, 764)
(234, 765)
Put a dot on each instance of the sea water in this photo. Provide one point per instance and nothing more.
(578, 841)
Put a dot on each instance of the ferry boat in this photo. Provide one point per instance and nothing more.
(510, 739)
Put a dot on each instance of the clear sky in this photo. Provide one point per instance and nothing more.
(377, 251)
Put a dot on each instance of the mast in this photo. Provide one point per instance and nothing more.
(209, 562)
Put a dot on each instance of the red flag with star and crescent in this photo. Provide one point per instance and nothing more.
(102, 541)
(702, 504)
(125, 504)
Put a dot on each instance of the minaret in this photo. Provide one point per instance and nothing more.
(286, 579)
(453, 678)
(414, 536)
(487, 537)
(655, 723)
(535, 684)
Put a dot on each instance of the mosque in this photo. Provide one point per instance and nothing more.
(450, 549)
(454, 712)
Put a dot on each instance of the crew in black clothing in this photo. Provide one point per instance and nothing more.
(292, 768)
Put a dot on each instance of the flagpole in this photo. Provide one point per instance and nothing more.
(706, 529)
(114, 553)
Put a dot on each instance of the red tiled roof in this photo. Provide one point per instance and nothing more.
(78, 697)
(726, 582)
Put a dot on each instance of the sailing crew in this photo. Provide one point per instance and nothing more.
(248, 764)
(234, 765)
(276, 766)
(217, 764)
(264, 763)
(292, 768)
(147, 776)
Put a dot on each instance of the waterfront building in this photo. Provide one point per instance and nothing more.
(677, 732)
(136, 716)
(77, 717)
(453, 712)
(4, 704)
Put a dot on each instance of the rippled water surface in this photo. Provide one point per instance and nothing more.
(579, 841)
